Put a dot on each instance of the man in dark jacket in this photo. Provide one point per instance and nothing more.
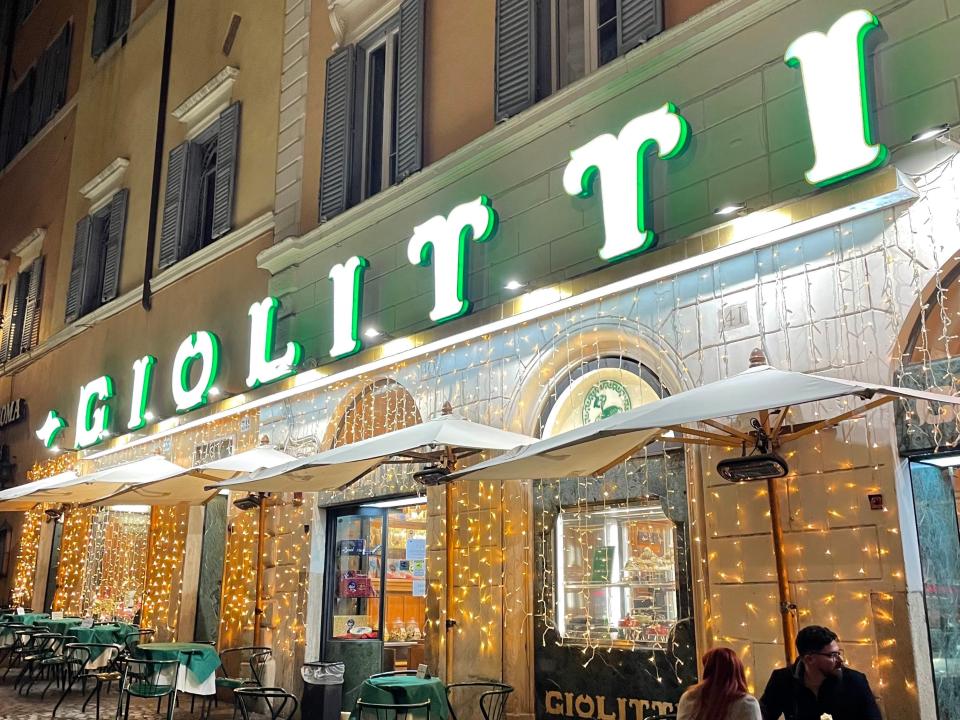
(818, 684)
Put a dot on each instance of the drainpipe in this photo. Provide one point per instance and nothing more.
(145, 300)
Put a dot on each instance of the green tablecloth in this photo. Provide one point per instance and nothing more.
(113, 634)
(406, 689)
(25, 619)
(61, 627)
(200, 659)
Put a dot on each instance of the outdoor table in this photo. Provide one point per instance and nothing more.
(112, 634)
(198, 664)
(61, 627)
(405, 690)
(6, 637)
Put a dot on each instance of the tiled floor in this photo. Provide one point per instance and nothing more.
(17, 707)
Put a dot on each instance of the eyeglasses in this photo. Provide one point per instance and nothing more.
(836, 655)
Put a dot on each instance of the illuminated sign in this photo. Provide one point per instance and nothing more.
(599, 707)
(835, 86)
(11, 412)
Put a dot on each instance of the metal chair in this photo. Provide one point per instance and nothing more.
(253, 657)
(132, 640)
(44, 646)
(22, 644)
(249, 699)
(492, 698)
(147, 679)
(12, 630)
(78, 658)
(392, 711)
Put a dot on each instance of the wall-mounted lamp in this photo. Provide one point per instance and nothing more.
(936, 132)
(730, 209)
(249, 502)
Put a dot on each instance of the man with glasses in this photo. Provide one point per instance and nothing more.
(818, 684)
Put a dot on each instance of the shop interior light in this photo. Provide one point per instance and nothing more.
(943, 461)
(937, 131)
(514, 285)
(730, 209)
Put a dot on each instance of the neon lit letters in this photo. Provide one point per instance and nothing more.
(202, 347)
(835, 86)
(142, 378)
(620, 163)
(51, 429)
(443, 243)
(347, 303)
(93, 414)
(263, 329)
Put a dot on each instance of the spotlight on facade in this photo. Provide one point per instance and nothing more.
(431, 475)
(937, 131)
(214, 391)
(730, 209)
(249, 502)
(514, 285)
(149, 416)
(753, 467)
(371, 332)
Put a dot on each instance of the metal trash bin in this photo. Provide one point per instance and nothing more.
(322, 690)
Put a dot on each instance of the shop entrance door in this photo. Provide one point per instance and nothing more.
(376, 589)
(936, 500)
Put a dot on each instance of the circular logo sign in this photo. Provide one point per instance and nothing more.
(606, 398)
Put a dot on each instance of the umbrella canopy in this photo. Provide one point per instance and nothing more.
(189, 486)
(593, 449)
(84, 488)
(341, 466)
(19, 497)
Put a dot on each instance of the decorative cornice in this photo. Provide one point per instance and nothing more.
(29, 248)
(350, 20)
(105, 183)
(201, 108)
(700, 33)
(217, 249)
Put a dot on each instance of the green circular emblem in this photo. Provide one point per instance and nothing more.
(606, 398)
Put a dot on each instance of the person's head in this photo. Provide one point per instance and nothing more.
(819, 651)
(723, 682)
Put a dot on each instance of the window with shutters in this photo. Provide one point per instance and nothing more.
(23, 330)
(97, 253)
(373, 112)
(544, 45)
(36, 99)
(110, 23)
(201, 179)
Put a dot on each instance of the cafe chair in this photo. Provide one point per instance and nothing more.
(22, 645)
(278, 702)
(236, 663)
(491, 697)
(392, 711)
(13, 630)
(77, 660)
(45, 646)
(147, 679)
(132, 640)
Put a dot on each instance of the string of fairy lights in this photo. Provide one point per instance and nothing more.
(833, 302)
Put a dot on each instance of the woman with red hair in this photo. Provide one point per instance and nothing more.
(722, 694)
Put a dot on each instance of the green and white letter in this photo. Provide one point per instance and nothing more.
(142, 377)
(203, 347)
(263, 326)
(93, 414)
(347, 301)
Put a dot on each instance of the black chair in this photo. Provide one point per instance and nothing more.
(44, 646)
(10, 631)
(134, 639)
(252, 657)
(22, 645)
(276, 701)
(147, 679)
(392, 711)
(491, 696)
(77, 660)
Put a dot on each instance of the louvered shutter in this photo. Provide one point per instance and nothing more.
(21, 113)
(337, 134)
(639, 20)
(101, 27)
(114, 249)
(78, 268)
(173, 206)
(41, 87)
(516, 52)
(409, 131)
(31, 313)
(61, 70)
(6, 129)
(121, 18)
(15, 314)
(228, 145)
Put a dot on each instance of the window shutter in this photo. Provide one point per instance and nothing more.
(228, 145)
(41, 87)
(15, 312)
(515, 69)
(81, 244)
(6, 130)
(21, 113)
(337, 133)
(639, 20)
(101, 28)
(173, 203)
(114, 250)
(121, 18)
(61, 71)
(409, 132)
(31, 313)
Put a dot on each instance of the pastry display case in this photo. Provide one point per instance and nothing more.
(616, 575)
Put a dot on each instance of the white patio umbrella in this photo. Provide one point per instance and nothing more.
(19, 498)
(595, 448)
(189, 485)
(84, 488)
(443, 441)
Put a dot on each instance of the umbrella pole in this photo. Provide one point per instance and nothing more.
(258, 597)
(786, 603)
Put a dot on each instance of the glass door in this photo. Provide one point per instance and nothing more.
(357, 575)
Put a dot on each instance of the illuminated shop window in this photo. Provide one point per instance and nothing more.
(116, 562)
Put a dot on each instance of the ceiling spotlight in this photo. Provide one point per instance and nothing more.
(937, 131)
(371, 332)
(214, 391)
(514, 285)
(730, 209)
